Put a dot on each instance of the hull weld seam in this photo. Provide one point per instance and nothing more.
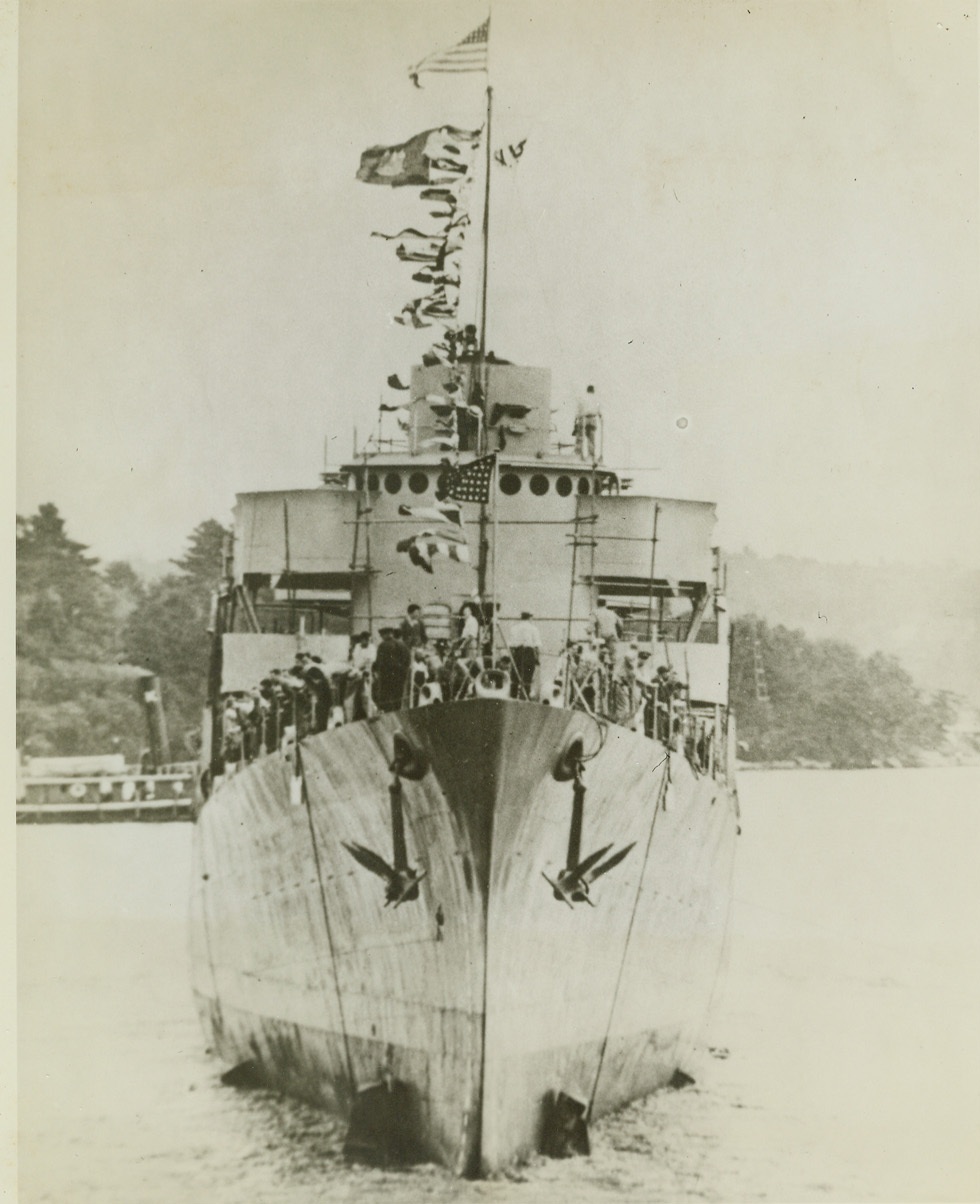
(326, 921)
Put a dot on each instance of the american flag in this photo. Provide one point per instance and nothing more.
(470, 483)
(468, 55)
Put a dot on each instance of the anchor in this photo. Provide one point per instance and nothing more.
(573, 882)
(401, 880)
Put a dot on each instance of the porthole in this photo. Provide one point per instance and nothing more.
(393, 481)
(373, 483)
(418, 482)
(583, 484)
(539, 484)
(563, 486)
(510, 483)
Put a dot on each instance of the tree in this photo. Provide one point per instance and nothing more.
(825, 701)
(64, 608)
(72, 695)
(166, 633)
(202, 562)
(77, 625)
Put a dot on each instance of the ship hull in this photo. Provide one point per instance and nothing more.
(486, 995)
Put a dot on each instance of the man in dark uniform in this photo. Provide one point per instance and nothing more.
(413, 633)
(391, 667)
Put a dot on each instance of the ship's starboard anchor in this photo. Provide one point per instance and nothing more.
(401, 880)
(573, 882)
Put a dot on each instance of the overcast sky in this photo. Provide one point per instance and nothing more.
(760, 218)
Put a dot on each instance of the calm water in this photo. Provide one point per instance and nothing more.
(846, 1046)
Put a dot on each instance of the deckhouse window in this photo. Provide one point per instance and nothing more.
(583, 484)
(539, 484)
(510, 483)
(418, 482)
(563, 486)
(393, 481)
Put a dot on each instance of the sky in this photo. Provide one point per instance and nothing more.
(752, 226)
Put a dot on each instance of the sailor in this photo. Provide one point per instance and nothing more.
(362, 652)
(525, 650)
(666, 687)
(644, 679)
(623, 700)
(231, 749)
(391, 667)
(318, 685)
(608, 627)
(248, 715)
(357, 699)
(468, 644)
(413, 632)
(587, 417)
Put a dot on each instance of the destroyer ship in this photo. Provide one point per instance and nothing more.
(463, 875)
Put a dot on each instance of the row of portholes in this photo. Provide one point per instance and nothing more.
(510, 483)
(539, 484)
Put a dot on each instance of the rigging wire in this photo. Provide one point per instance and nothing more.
(661, 792)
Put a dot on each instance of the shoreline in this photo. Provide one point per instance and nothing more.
(892, 763)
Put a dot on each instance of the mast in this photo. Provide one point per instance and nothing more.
(653, 565)
(481, 585)
(290, 591)
(486, 239)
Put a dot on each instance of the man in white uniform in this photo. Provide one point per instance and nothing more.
(525, 650)
(587, 418)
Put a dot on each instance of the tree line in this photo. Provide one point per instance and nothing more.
(86, 630)
(820, 700)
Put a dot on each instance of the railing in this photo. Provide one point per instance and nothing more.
(109, 789)
(613, 689)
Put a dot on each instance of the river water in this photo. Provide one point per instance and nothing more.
(842, 1062)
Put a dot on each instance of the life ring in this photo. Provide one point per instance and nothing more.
(493, 683)
(77, 790)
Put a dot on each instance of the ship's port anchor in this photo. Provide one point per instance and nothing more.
(384, 1127)
(565, 1132)
(401, 880)
(573, 882)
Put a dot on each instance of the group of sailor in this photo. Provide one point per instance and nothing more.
(407, 668)
(298, 700)
(404, 669)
